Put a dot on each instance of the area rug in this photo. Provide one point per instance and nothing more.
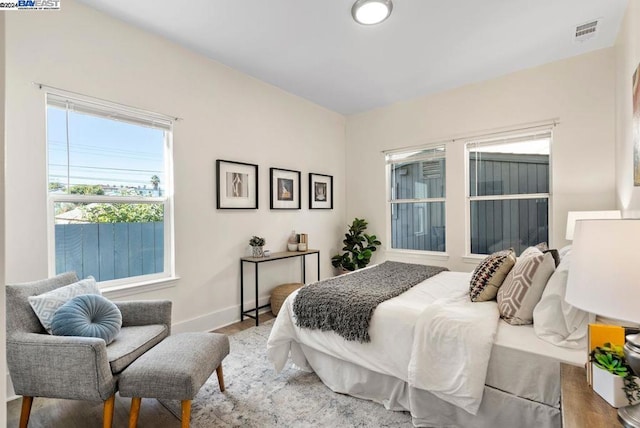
(256, 397)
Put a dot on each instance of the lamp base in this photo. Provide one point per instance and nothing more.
(630, 416)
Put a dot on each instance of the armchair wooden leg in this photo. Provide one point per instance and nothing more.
(134, 412)
(26, 411)
(186, 413)
(220, 377)
(107, 413)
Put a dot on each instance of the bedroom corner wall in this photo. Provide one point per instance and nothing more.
(579, 91)
(3, 357)
(627, 59)
(225, 115)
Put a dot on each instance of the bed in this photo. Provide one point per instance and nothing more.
(521, 386)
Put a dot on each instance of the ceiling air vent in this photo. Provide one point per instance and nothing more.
(586, 31)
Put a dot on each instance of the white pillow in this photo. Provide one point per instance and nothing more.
(45, 305)
(556, 321)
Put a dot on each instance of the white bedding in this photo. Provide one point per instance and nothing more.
(392, 330)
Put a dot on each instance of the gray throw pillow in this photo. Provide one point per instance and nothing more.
(45, 305)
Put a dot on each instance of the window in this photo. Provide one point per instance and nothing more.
(508, 192)
(417, 199)
(109, 191)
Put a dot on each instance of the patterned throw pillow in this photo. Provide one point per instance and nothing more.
(489, 275)
(523, 288)
(530, 251)
(45, 305)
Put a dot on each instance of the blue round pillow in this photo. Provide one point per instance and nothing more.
(88, 315)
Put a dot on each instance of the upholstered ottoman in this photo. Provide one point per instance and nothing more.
(174, 369)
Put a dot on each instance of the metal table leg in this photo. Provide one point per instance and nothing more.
(241, 291)
(257, 305)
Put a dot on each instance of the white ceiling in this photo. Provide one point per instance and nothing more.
(314, 49)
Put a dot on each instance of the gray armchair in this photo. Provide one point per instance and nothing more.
(79, 368)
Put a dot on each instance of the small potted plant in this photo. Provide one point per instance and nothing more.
(358, 247)
(257, 245)
(613, 379)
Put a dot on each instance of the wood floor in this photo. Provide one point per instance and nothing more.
(55, 413)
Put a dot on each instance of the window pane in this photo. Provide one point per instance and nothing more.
(418, 226)
(96, 155)
(509, 168)
(500, 224)
(109, 241)
(418, 179)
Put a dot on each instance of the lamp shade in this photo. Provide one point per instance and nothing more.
(573, 216)
(604, 275)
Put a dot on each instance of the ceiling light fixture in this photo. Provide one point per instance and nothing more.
(370, 12)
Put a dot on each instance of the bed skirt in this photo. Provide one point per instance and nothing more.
(498, 408)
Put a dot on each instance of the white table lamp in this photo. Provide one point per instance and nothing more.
(573, 216)
(604, 279)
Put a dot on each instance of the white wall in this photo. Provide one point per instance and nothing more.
(226, 115)
(627, 59)
(3, 358)
(577, 91)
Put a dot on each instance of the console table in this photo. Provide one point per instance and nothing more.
(273, 257)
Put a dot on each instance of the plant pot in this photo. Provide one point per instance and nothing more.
(257, 251)
(610, 387)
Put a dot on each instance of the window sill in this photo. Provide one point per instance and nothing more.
(474, 258)
(117, 291)
(422, 255)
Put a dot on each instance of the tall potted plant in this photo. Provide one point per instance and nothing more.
(358, 247)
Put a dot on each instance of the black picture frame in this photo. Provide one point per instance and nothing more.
(320, 191)
(237, 185)
(284, 189)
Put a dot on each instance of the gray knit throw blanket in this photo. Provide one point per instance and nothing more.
(345, 304)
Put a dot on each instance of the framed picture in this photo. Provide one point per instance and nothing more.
(237, 185)
(284, 189)
(635, 87)
(320, 191)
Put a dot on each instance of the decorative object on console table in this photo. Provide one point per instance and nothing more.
(358, 247)
(284, 189)
(604, 279)
(304, 243)
(320, 191)
(237, 185)
(292, 243)
(257, 245)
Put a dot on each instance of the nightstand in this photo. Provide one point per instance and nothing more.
(581, 406)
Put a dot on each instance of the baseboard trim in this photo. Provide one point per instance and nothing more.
(214, 320)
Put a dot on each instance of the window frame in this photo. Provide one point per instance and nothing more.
(390, 202)
(487, 140)
(114, 111)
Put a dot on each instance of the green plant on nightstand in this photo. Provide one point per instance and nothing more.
(610, 358)
(358, 247)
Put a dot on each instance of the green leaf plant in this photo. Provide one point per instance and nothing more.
(611, 358)
(358, 247)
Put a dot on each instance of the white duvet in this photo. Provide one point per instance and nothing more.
(431, 336)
